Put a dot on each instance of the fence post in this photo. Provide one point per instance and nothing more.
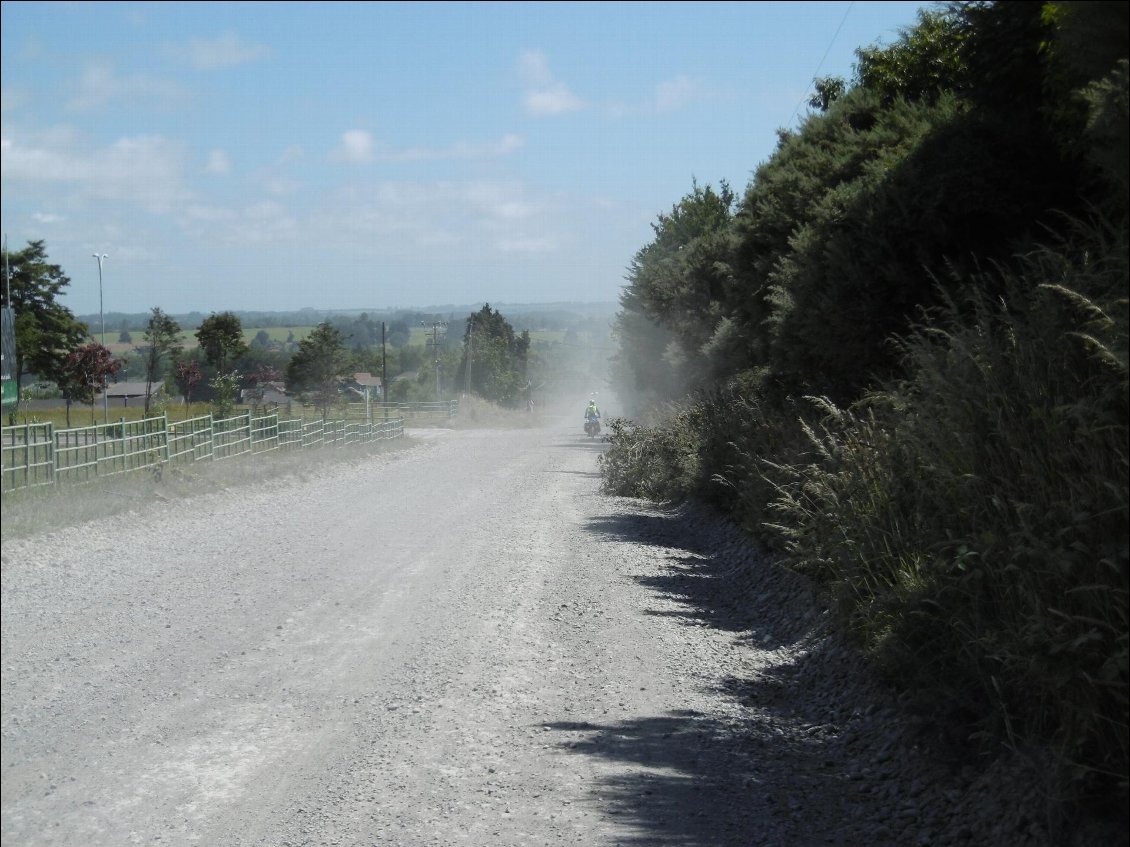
(51, 453)
(27, 454)
(165, 436)
(125, 445)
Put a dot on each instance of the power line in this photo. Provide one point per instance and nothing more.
(825, 56)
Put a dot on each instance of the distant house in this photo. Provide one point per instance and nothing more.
(363, 380)
(126, 391)
(265, 394)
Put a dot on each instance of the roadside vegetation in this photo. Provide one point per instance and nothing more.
(898, 359)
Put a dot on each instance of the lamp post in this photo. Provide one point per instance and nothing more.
(102, 318)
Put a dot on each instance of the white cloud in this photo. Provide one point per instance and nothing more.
(668, 96)
(499, 201)
(459, 150)
(477, 218)
(293, 153)
(534, 68)
(47, 218)
(147, 171)
(356, 146)
(544, 95)
(224, 51)
(555, 100)
(675, 93)
(12, 99)
(218, 163)
(196, 213)
(526, 245)
(100, 85)
(263, 222)
(280, 186)
(359, 146)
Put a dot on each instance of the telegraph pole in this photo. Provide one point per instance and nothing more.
(436, 326)
(384, 372)
(470, 352)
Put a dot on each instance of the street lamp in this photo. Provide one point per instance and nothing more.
(102, 318)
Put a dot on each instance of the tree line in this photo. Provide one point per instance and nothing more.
(898, 358)
(488, 358)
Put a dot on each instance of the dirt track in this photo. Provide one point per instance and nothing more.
(462, 643)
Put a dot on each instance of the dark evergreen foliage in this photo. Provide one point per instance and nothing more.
(901, 361)
(495, 361)
(46, 331)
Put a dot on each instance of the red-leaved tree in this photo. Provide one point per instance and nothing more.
(187, 375)
(86, 371)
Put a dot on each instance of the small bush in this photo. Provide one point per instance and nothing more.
(657, 461)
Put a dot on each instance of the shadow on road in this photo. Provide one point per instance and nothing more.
(680, 784)
(748, 775)
(686, 779)
(582, 442)
(714, 574)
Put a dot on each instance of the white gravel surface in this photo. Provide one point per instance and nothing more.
(463, 643)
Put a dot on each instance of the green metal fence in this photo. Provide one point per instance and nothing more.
(445, 409)
(39, 454)
(28, 456)
(107, 449)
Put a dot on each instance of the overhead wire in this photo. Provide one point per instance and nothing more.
(816, 73)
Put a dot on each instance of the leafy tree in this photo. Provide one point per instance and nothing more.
(221, 339)
(46, 331)
(828, 89)
(925, 61)
(262, 339)
(317, 367)
(673, 323)
(495, 359)
(398, 333)
(84, 372)
(162, 336)
(225, 391)
(258, 380)
(187, 375)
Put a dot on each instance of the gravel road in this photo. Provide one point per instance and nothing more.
(461, 643)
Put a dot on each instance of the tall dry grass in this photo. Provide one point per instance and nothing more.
(971, 520)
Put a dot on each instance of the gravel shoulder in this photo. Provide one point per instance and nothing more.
(461, 643)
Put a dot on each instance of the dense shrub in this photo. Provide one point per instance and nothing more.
(972, 520)
(944, 448)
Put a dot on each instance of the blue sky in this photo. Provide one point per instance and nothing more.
(274, 156)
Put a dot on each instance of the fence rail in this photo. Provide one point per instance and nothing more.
(38, 454)
(441, 409)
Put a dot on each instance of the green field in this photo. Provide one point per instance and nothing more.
(81, 413)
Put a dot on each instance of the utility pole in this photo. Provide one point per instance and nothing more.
(384, 372)
(470, 352)
(102, 315)
(436, 327)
